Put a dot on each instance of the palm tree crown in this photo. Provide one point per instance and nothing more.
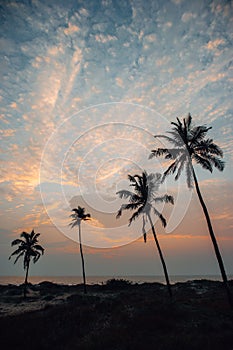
(190, 144)
(144, 197)
(78, 216)
(28, 247)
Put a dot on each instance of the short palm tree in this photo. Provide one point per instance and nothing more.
(142, 200)
(28, 248)
(191, 145)
(78, 216)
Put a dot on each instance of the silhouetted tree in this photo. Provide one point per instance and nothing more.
(77, 217)
(28, 248)
(142, 201)
(191, 145)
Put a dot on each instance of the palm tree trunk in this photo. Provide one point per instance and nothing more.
(214, 241)
(26, 281)
(26, 277)
(161, 258)
(82, 258)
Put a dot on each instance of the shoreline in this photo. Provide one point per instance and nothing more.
(18, 280)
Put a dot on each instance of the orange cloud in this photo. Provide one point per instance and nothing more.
(72, 28)
(212, 45)
(7, 132)
(101, 38)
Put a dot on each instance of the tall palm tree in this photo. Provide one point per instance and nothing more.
(28, 248)
(77, 217)
(191, 145)
(142, 200)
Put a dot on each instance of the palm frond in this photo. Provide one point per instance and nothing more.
(25, 235)
(74, 216)
(161, 217)
(38, 247)
(189, 121)
(36, 257)
(127, 206)
(125, 194)
(205, 163)
(132, 206)
(178, 124)
(35, 238)
(136, 198)
(16, 252)
(198, 134)
(217, 162)
(136, 215)
(160, 152)
(175, 140)
(19, 256)
(74, 223)
(181, 164)
(131, 178)
(171, 169)
(166, 199)
(16, 242)
(87, 217)
(208, 147)
(119, 213)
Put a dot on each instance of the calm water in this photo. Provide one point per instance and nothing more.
(101, 279)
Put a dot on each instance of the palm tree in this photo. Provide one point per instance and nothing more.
(191, 145)
(142, 200)
(77, 217)
(28, 248)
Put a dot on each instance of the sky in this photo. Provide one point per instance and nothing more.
(85, 86)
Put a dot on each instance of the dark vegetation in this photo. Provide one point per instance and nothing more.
(119, 315)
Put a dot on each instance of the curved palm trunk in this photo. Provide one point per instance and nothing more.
(214, 241)
(82, 258)
(161, 257)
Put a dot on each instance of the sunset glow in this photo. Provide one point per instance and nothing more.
(85, 87)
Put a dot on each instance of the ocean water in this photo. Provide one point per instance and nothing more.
(71, 280)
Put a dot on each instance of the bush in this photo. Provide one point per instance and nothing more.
(117, 283)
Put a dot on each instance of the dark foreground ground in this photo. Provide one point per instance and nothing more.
(116, 316)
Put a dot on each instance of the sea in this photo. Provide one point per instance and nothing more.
(73, 280)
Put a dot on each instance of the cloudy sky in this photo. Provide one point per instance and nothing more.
(84, 87)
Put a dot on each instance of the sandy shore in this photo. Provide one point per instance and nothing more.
(118, 315)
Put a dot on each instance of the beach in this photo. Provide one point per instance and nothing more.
(116, 315)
